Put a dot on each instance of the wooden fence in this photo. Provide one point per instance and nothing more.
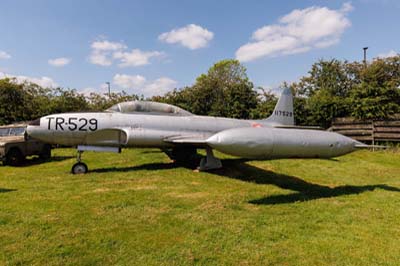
(368, 131)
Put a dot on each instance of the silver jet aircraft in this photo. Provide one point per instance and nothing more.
(144, 124)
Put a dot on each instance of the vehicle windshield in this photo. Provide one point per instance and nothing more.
(17, 131)
(4, 132)
(12, 131)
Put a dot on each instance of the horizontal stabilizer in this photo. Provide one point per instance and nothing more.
(298, 127)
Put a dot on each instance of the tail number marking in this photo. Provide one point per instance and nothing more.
(283, 113)
(72, 124)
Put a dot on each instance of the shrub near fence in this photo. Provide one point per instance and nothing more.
(369, 130)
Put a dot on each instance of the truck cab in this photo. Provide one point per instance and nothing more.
(15, 146)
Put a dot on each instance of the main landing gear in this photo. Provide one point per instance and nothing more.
(79, 167)
(187, 156)
(210, 162)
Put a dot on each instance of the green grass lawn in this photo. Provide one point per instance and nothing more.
(136, 208)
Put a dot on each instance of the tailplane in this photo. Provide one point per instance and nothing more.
(283, 113)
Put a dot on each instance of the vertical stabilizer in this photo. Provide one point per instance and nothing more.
(283, 113)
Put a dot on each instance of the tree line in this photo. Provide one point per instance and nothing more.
(332, 88)
(28, 101)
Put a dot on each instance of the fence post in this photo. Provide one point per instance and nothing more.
(373, 135)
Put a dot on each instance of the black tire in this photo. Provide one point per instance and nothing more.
(79, 168)
(14, 157)
(46, 152)
(182, 154)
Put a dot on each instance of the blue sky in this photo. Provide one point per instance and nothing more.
(149, 47)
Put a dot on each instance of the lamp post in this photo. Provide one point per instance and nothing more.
(365, 55)
(109, 89)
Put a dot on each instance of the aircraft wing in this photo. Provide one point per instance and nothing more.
(196, 139)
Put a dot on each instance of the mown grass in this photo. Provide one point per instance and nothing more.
(136, 208)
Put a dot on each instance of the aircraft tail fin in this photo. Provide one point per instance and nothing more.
(283, 113)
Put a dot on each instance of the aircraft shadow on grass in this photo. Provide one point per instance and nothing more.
(5, 190)
(36, 160)
(150, 166)
(305, 191)
(240, 170)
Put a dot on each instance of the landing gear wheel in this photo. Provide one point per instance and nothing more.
(79, 168)
(184, 156)
(14, 157)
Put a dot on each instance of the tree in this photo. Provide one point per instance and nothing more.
(323, 94)
(335, 89)
(224, 91)
(266, 102)
(11, 101)
(378, 94)
(331, 75)
(98, 102)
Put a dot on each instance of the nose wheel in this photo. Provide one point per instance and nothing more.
(79, 167)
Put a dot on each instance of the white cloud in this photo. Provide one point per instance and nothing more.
(347, 7)
(138, 84)
(135, 58)
(391, 53)
(159, 86)
(45, 82)
(297, 32)
(129, 82)
(105, 53)
(4, 55)
(105, 45)
(191, 36)
(102, 51)
(59, 62)
(100, 58)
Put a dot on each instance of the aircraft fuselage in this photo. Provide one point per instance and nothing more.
(142, 130)
(149, 124)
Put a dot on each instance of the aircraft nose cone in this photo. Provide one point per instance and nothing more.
(36, 132)
(32, 127)
(30, 130)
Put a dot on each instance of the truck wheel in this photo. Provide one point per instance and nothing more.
(46, 152)
(79, 168)
(14, 157)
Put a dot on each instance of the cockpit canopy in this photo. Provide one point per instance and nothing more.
(148, 107)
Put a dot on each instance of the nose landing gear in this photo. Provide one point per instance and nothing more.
(79, 167)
